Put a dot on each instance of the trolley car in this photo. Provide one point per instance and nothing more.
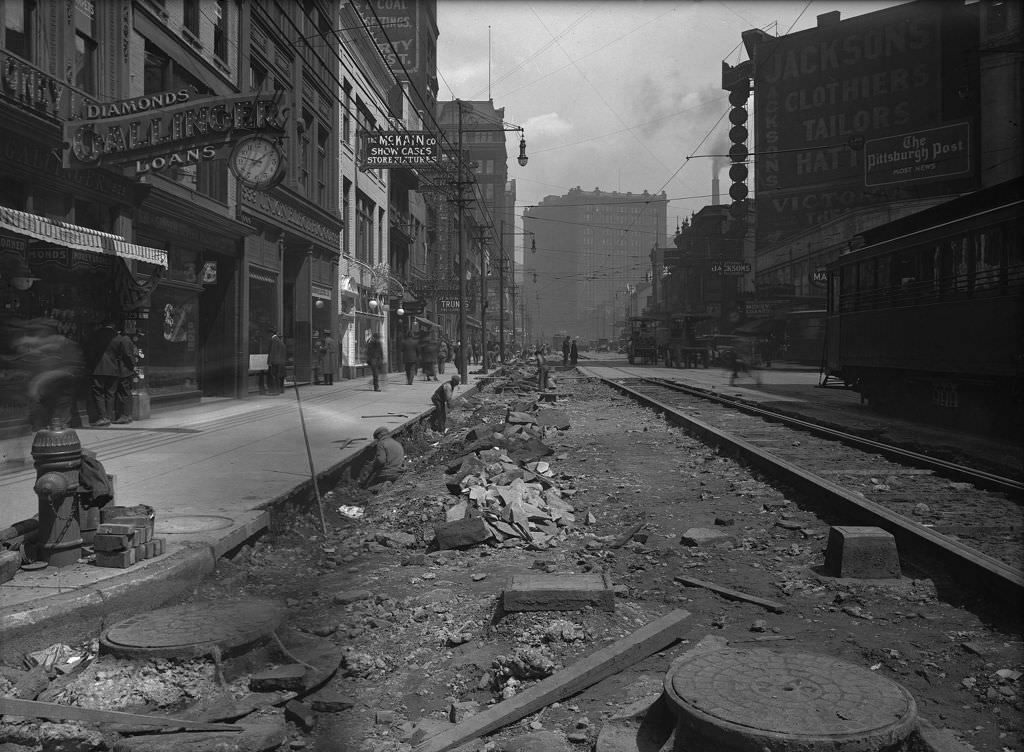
(926, 318)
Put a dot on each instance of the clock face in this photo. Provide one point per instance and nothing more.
(257, 162)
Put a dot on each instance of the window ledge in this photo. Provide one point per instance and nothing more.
(221, 65)
(191, 38)
(158, 7)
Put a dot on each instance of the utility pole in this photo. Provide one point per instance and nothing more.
(463, 342)
(501, 293)
(483, 302)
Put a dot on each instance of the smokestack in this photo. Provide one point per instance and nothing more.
(714, 189)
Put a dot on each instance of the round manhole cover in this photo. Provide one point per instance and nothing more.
(191, 523)
(194, 629)
(760, 699)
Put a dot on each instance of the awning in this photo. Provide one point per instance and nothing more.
(754, 326)
(428, 322)
(79, 238)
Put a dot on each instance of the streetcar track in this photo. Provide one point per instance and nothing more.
(973, 527)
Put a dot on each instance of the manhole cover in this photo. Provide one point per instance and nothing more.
(759, 699)
(191, 523)
(194, 629)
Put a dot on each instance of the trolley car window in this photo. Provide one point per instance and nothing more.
(988, 267)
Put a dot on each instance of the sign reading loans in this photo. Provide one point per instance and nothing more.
(162, 130)
(386, 149)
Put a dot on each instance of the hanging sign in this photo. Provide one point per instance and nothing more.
(167, 129)
(387, 149)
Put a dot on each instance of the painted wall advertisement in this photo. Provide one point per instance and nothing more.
(829, 100)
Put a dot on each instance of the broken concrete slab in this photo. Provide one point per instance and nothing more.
(461, 533)
(705, 536)
(520, 418)
(555, 418)
(562, 592)
(268, 734)
(288, 677)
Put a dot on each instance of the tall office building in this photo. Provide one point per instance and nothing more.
(591, 245)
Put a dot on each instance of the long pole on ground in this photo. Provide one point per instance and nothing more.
(309, 456)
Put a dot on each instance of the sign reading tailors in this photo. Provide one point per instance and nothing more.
(922, 155)
(386, 149)
(163, 130)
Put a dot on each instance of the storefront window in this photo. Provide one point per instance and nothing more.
(262, 312)
(171, 340)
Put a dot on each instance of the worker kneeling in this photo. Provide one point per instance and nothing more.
(388, 462)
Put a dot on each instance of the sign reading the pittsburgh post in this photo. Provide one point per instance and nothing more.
(387, 149)
(923, 155)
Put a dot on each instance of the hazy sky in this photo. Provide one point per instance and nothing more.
(613, 94)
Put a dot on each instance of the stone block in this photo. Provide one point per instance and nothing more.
(466, 532)
(300, 714)
(10, 562)
(559, 592)
(706, 536)
(289, 677)
(108, 542)
(557, 418)
(115, 559)
(861, 552)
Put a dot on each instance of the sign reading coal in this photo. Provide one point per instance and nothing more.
(388, 149)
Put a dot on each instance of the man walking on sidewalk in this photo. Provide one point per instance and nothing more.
(410, 357)
(441, 399)
(375, 359)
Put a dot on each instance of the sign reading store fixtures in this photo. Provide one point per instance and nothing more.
(165, 130)
(387, 149)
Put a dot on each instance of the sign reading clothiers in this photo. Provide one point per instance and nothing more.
(163, 130)
(386, 149)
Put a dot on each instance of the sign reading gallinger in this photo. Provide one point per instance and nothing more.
(387, 149)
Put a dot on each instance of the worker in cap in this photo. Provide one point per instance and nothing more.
(388, 463)
(441, 399)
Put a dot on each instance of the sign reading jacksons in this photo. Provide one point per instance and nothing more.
(162, 130)
(387, 149)
(877, 77)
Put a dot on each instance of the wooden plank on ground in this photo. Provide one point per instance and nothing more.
(36, 709)
(735, 595)
(645, 641)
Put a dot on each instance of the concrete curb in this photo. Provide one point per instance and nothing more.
(83, 612)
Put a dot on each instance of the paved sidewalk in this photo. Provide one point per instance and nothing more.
(210, 472)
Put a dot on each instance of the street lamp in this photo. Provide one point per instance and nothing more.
(461, 202)
(501, 274)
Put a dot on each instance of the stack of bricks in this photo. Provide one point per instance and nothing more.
(121, 541)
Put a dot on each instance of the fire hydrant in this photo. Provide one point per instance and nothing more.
(57, 454)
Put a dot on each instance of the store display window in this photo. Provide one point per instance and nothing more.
(170, 342)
